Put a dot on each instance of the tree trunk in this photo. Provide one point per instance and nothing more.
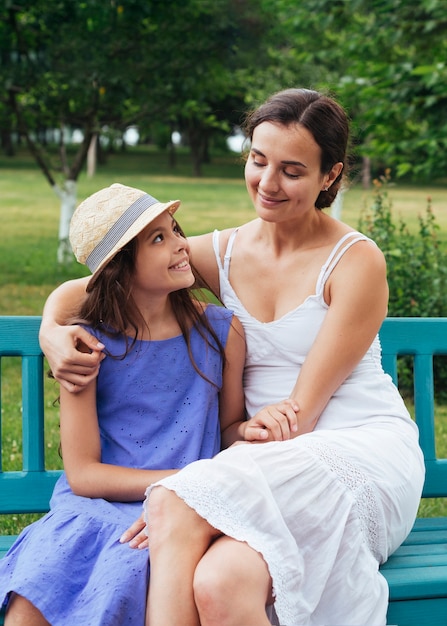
(366, 172)
(91, 156)
(67, 195)
(6, 142)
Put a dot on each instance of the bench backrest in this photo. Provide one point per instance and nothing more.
(422, 338)
(28, 490)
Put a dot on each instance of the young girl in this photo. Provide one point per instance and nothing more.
(173, 365)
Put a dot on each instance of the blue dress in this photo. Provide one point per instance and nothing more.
(155, 412)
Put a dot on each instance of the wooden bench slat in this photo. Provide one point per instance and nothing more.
(424, 559)
(26, 492)
(428, 523)
(437, 535)
(423, 612)
(417, 582)
(414, 549)
(6, 542)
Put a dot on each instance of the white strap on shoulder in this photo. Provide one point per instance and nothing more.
(337, 252)
(227, 256)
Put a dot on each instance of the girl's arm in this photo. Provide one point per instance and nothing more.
(74, 369)
(81, 454)
(357, 294)
(231, 397)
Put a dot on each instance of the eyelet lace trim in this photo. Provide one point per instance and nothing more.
(363, 491)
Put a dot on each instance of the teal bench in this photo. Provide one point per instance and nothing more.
(28, 490)
(416, 572)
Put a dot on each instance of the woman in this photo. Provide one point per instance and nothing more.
(298, 525)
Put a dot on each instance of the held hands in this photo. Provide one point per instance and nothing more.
(276, 422)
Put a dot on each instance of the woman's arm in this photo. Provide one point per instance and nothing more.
(74, 354)
(81, 454)
(357, 293)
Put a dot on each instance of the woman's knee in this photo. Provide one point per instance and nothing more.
(169, 518)
(230, 569)
(162, 517)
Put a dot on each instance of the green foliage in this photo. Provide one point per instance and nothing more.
(385, 60)
(417, 273)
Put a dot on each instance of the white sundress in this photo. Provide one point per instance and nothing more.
(326, 508)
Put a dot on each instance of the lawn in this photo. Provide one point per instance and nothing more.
(29, 271)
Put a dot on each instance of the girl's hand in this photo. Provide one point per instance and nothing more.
(135, 535)
(276, 422)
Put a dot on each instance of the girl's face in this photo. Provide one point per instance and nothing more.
(282, 172)
(162, 259)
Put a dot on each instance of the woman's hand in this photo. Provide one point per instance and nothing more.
(276, 422)
(135, 535)
(73, 353)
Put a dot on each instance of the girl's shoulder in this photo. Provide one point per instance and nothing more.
(215, 312)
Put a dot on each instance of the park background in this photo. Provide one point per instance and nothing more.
(80, 78)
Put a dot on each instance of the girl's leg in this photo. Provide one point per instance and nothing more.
(21, 612)
(232, 585)
(178, 538)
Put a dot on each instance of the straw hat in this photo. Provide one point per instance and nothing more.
(107, 220)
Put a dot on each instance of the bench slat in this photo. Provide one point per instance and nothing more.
(425, 612)
(27, 492)
(424, 559)
(6, 542)
(414, 549)
(417, 582)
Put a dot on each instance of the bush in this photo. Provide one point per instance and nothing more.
(417, 273)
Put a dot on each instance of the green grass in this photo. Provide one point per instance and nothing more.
(29, 212)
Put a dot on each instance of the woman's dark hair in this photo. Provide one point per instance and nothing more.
(324, 118)
(110, 306)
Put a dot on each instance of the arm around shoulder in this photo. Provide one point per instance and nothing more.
(71, 367)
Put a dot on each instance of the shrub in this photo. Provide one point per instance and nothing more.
(417, 273)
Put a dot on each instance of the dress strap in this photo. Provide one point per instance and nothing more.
(337, 252)
(227, 257)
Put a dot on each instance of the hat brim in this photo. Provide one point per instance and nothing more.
(149, 215)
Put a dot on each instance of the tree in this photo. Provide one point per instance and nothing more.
(203, 48)
(91, 64)
(385, 60)
(57, 76)
(55, 80)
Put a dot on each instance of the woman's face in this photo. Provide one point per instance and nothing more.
(282, 172)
